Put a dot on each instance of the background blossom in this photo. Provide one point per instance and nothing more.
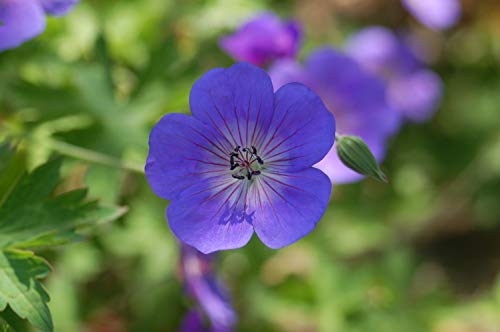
(435, 14)
(413, 89)
(198, 274)
(22, 20)
(264, 38)
(355, 96)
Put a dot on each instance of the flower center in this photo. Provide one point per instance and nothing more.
(245, 162)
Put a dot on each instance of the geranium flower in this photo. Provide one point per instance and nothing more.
(435, 14)
(243, 161)
(198, 274)
(413, 89)
(263, 39)
(22, 20)
(355, 96)
(193, 322)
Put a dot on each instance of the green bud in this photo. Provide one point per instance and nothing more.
(356, 155)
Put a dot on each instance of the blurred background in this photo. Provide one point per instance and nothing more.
(419, 254)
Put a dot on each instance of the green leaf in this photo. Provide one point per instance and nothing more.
(21, 290)
(31, 217)
(355, 154)
(12, 166)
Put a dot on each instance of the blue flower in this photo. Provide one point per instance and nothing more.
(22, 20)
(354, 95)
(435, 14)
(413, 89)
(199, 277)
(263, 39)
(243, 161)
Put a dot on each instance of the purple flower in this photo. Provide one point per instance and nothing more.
(58, 7)
(193, 322)
(243, 161)
(355, 96)
(413, 90)
(22, 20)
(198, 272)
(263, 39)
(435, 14)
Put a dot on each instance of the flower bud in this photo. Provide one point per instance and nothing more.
(355, 154)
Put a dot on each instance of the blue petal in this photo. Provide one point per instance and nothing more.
(435, 14)
(263, 39)
(213, 215)
(58, 7)
(183, 152)
(288, 206)
(20, 20)
(199, 276)
(237, 102)
(416, 95)
(383, 52)
(302, 130)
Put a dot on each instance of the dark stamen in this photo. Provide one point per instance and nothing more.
(242, 160)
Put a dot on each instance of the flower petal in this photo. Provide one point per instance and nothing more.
(263, 39)
(199, 277)
(237, 101)
(416, 95)
(435, 14)
(287, 71)
(302, 129)
(212, 217)
(20, 21)
(379, 50)
(58, 7)
(183, 152)
(288, 206)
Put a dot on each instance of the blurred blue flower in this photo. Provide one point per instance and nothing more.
(355, 96)
(58, 7)
(198, 273)
(413, 89)
(22, 20)
(243, 161)
(193, 322)
(263, 39)
(435, 14)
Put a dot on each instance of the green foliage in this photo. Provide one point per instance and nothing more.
(31, 217)
(21, 289)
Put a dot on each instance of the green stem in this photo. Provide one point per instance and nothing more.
(94, 157)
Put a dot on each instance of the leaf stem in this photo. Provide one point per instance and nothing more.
(94, 157)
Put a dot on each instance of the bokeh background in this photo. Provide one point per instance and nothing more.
(421, 253)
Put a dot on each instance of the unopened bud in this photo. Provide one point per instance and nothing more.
(356, 155)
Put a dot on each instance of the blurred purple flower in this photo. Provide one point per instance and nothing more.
(355, 96)
(263, 39)
(435, 14)
(198, 273)
(58, 7)
(22, 20)
(243, 161)
(413, 90)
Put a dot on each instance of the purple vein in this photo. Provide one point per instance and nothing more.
(205, 148)
(224, 120)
